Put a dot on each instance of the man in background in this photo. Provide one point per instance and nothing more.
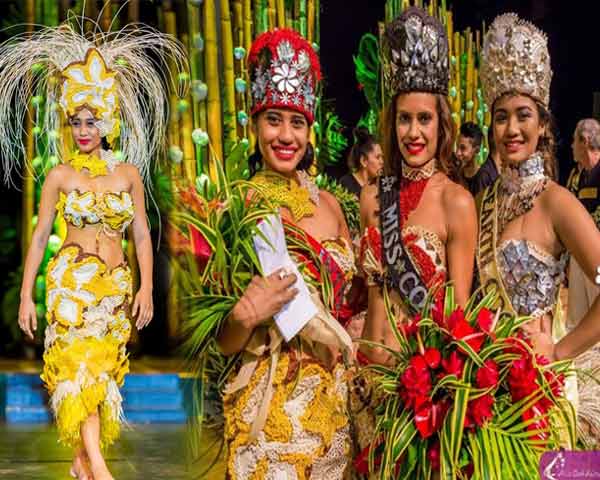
(584, 182)
(470, 175)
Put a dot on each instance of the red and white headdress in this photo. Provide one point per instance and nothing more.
(284, 73)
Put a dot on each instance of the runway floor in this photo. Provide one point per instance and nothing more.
(144, 452)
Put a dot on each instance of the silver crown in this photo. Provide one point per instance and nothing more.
(415, 54)
(515, 58)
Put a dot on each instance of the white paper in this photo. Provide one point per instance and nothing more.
(272, 256)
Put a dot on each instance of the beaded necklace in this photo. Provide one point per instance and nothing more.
(301, 199)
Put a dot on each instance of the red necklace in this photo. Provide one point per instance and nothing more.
(411, 192)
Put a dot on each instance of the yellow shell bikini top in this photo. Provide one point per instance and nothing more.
(113, 210)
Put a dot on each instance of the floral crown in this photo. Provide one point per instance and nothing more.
(415, 54)
(284, 73)
(515, 58)
(91, 84)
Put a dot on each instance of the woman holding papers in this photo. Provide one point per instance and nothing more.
(419, 226)
(285, 409)
(528, 223)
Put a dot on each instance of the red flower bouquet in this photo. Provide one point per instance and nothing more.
(468, 397)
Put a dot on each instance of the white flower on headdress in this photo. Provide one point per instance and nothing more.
(89, 83)
(286, 78)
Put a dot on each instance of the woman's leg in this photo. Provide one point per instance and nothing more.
(90, 433)
(80, 468)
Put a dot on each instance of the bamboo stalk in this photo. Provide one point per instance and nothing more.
(63, 8)
(106, 15)
(247, 19)
(214, 119)
(302, 17)
(186, 125)
(133, 9)
(281, 13)
(247, 13)
(228, 75)
(196, 73)
(258, 17)
(272, 14)
(238, 34)
(317, 38)
(238, 21)
(91, 13)
(310, 7)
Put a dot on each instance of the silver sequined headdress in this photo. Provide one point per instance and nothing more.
(415, 54)
(515, 58)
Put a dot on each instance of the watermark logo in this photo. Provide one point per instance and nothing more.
(567, 465)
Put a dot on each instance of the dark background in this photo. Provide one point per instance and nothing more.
(573, 30)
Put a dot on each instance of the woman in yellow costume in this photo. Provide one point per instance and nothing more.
(285, 411)
(528, 224)
(101, 90)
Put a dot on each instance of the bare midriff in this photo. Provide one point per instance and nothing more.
(98, 240)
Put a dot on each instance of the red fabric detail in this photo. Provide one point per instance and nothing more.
(410, 196)
(371, 240)
(362, 359)
(269, 40)
(423, 262)
(328, 263)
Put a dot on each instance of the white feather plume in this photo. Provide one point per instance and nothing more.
(146, 61)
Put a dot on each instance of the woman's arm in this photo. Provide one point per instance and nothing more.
(39, 240)
(263, 298)
(377, 326)
(580, 236)
(461, 216)
(143, 306)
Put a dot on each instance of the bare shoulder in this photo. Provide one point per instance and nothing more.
(332, 203)
(57, 174)
(456, 198)
(329, 198)
(557, 199)
(128, 169)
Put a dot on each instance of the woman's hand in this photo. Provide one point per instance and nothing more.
(263, 298)
(28, 317)
(543, 345)
(143, 307)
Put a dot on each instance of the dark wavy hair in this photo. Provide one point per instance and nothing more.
(363, 145)
(446, 135)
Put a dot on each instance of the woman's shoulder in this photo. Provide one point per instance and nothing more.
(455, 197)
(556, 198)
(58, 174)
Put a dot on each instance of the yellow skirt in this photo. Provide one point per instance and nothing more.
(306, 434)
(85, 360)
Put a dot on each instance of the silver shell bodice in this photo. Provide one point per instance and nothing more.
(531, 276)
